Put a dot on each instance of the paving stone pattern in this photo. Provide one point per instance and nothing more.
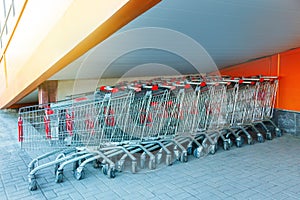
(270, 170)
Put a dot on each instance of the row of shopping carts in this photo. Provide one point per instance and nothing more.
(146, 122)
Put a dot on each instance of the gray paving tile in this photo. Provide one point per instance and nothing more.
(268, 170)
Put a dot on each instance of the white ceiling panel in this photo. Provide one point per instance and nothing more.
(228, 31)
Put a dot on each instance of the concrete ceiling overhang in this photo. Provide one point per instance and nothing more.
(82, 26)
(229, 32)
(223, 33)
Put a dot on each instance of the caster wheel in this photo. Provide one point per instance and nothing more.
(189, 150)
(169, 160)
(105, 169)
(184, 157)
(260, 138)
(96, 164)
(269, 135)
(239, 143)
(278, 132)
(32, 185)
(152, 164)
(226, 145)
(120, 166)
(79, 174)
(198, 152)
(213, 149)
(134, 167)
(250, 141)
(111, 173)
(143, 160)
(59, 177)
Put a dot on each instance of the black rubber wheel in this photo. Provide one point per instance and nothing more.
(239, 142)
(213, 149)
(260, 139)
(184, 157)
(169, 160)
(111, 173)
(189, 150)
(32, 185)
(59, 177)
(250, 141)
(104, 169)
(134, 167)
(226, 146)
(79, 174)
(96, 164)
(198, 152)
(269, 135)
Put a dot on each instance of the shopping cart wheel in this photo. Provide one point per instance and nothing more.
(134, 167)
(59, 176)
(250, 140)
(96, 163)
(158, 156)
(79, 174)
(32, 184)
(143, 160)
(239, 141)
(189, 150)
(111, 173)
(169, 159)
(278, 132)
(152, 164)
(184, 157)
(176, 153)
(198, 152)
(269, 135)
(260, 138)
(105, 169)
(226, 145)
(213, 149)
(120, 165)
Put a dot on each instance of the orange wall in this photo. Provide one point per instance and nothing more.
(265, 66)
(286, 65)
(289, 72)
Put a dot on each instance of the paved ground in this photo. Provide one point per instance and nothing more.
(270, 170)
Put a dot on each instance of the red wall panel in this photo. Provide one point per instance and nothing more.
(286, 65)
(289, 87)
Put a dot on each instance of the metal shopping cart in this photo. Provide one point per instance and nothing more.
(142, 120)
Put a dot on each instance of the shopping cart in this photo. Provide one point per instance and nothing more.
(43, 128)
(264, 98)
(142, 120)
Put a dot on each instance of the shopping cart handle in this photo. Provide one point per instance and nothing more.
(150, 87)
(136, 89)
(147, 86)
(108, 89)
(261, 78)
(170, 87)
